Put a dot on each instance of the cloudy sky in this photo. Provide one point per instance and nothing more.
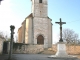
(13, 12)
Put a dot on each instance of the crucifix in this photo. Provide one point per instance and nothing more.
(60, 23)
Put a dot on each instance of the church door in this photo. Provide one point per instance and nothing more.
(40, 39)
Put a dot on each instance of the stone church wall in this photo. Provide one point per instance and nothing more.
(50, 33)
(41, 28)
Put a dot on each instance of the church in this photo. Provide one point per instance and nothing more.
(37, 26)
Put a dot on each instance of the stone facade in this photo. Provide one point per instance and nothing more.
(20, 34)
(40, 9)
(42, 26)
(36, 24)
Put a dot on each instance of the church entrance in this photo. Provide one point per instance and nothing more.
(40, 39)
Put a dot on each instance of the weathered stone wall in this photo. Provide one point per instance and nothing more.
(20, 35)
(29, 49)
(1, 45)
(41, 28)
(41, 23)
(34, 49)
(39, 9)
(71, 49)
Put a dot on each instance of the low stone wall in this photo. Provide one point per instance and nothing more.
(29, 49)
(71, 49)
(1, 45)
(34, 49)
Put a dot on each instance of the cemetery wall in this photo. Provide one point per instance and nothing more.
(28, 49)
(71, 49)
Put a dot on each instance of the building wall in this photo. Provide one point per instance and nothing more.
(23, 31)
(50, 33)
(20, 35)
(42, 26)
(28, 31)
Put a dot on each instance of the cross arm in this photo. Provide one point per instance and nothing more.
(57, 22)
(63, 22)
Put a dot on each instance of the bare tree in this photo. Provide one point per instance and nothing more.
(1, 35)
(69, 36)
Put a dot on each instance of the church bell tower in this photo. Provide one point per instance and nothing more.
(41, 24)
(39, 8)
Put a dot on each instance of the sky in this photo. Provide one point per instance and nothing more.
(14, 12)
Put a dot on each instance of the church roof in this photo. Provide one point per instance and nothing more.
(19, 28)
(49, 18)
(30, 15)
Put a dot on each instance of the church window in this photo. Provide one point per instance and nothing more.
(40, 1)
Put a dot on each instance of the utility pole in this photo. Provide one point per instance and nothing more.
(11, 42)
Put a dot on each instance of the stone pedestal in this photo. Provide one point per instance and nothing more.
(61, 50)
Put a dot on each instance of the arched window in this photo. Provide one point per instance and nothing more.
(40, 39)
(40, 1)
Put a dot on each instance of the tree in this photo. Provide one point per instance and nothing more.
(69, 36)
(1, 35)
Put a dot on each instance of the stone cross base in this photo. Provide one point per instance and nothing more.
(61, 52)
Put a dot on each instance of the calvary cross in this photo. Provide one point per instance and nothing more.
(60, 23)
